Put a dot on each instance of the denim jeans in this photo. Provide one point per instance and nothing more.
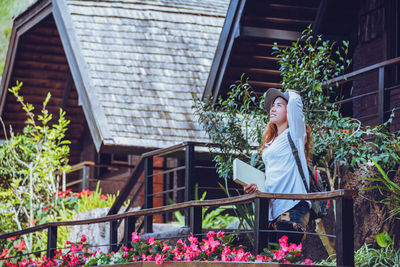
(295, 219)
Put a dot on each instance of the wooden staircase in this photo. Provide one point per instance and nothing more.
(257, 25)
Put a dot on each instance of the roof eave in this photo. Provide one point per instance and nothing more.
(21, 24)
(95, 116)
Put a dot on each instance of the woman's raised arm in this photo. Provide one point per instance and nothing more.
(297, 127)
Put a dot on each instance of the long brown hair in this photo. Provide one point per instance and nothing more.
(272, 132)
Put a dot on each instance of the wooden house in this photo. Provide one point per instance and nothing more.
(125, 72)
(372, 27)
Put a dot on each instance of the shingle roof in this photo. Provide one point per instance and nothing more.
(145, 62)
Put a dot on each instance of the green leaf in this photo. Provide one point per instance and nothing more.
(384, 240)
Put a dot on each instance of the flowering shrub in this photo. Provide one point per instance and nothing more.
(68, 205)
(214, 248)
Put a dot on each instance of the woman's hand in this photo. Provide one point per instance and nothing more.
(251, 188)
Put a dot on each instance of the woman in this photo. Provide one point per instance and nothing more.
(281, 171)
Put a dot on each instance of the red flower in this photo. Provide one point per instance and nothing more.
(4, 253)
(104, 197)
(12, 238)
(83, 239)
(85, 193)
(20, 246)
(46, 208)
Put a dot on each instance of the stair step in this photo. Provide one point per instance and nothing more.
(254, 61)
(305, 3)
(257, 71)
(280, 11)
(244, 46)
(276, 23)
(259, 86)
(300, 8)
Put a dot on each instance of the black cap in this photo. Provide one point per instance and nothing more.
(271, 95)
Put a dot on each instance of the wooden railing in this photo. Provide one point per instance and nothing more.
(381, 91)
(145, 167)
(344, 220)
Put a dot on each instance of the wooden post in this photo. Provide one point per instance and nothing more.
(189, 179)
(381, 96)
(64, 181)
(344, 232)
(113, 236)
(196, 221)
(129, 229)
(148, 193)
(260, 224)
(51, 241)
(85, 177)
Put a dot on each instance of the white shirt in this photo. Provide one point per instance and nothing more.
(281, 172)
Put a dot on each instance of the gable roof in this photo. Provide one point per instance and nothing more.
(137, 65)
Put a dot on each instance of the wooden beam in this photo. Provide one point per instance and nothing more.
(67, 91)
(320, 14)
(336, 194)
(268, 33)
(229, 33)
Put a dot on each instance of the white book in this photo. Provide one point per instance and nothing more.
(245, 174)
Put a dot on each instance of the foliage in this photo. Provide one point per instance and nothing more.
(286, 253)
(69, 205)
(370, 257)
(30, 166)
(388, 188)
(216, 247)
(237, 122)
(214, 219)
(8, 9)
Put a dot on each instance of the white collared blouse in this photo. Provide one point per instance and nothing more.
(281, 171)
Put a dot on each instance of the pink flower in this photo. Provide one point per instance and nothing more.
(220, 234)
(283, 241)
(83, 239)
(259, 258)
(177, 257)
(240, 255)
(159, 259)
(213, 244)
(135, 237)
(211, 234)
(134, 259)
(149, 258)
(294, 247)
(104, 197)
(193, 239)
(151, 241)
(165, 248)
(225, 253)
(279, 255)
